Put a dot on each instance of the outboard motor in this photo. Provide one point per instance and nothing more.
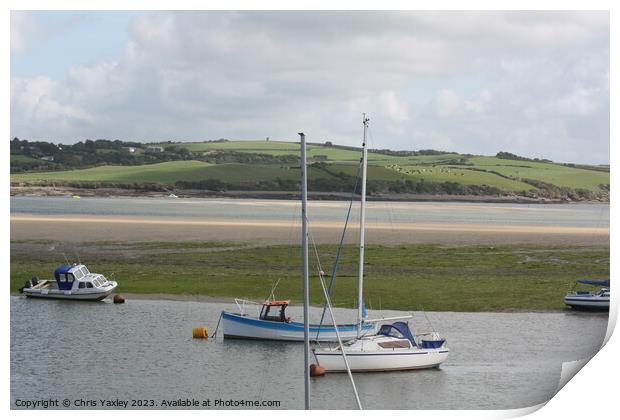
(30, 283)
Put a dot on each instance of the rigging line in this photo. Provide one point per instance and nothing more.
(428, 320)
(390, 209)
(344, 356)
(316, 252)
(340, 245)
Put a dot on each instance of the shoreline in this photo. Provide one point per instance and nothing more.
(180, 297)
(278, 195)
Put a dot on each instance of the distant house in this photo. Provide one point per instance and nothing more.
(48, 158)
(154, 148)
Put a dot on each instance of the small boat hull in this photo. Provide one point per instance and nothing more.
(246, 327)
(46, 290)
(381, 361)
(587, 302)
(61, 295)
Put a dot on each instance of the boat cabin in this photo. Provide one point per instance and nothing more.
(397, 330)
(604, 291)
(401, 330)
(70, 276)
(274, 310)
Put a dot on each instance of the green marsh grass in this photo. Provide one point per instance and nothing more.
(411, 277)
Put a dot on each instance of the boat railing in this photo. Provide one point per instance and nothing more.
(242, 303)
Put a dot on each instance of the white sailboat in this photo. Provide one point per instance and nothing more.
(394, 346)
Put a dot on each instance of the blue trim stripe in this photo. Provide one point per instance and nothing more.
(290, 326)
(586, 300)
(350, 354)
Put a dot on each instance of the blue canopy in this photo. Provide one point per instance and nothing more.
(65, 282)
(604, 283)
(399, 326)
(63, 269)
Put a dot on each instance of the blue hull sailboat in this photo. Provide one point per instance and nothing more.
(271, 322)
(280, 327)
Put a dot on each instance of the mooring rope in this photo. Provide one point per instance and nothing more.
(217, 326)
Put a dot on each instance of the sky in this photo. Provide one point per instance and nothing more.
(532, 83)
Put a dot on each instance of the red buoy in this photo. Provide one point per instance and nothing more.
(119, 299)
(316, 370)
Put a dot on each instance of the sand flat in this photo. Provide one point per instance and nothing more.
(125, 228)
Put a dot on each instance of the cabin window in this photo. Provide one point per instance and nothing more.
(70, 277)
(85, 271)
(78, 274)
(89, 285)
(82, 285)
(393, 332)
(273, 313)
(62, 278)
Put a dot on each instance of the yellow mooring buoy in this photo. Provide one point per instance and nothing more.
(200, 332)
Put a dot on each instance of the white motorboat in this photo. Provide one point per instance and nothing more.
(393, 347)
(71, 282)
(594, 301)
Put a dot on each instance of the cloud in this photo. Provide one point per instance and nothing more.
(581, 101)
(448, 103)
(28, 28)
(393, 107)
(473, 80)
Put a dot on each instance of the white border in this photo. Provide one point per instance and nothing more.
(590, 394)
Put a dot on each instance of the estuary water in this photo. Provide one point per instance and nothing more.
(569, 215)
(143, 350)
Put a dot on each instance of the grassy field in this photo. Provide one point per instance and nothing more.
(463, 176)
(171, 172)
(507, 175)
(166, 173)
(548, 172)
(412, 277)
(21, 158)
(277, 148)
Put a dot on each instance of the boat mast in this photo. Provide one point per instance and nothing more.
(304, 239)
(360, 288)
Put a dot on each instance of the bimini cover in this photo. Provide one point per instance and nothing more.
(63, 269)
(603, 283)
(401, 327)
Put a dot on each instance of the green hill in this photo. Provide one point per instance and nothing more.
(273, 165)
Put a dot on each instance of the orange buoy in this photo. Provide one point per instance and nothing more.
(316, 370)
(119, 299)
(200, 332)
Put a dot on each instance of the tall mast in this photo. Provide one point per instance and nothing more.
(360, 287)
(304, 239)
